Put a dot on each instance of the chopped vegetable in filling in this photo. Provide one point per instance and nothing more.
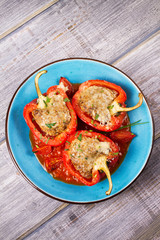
(85, 152)
(96, 101)
(55, 117)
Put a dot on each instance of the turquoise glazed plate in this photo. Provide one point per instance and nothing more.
(17, 132)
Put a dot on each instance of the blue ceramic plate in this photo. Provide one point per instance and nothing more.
(17, 132)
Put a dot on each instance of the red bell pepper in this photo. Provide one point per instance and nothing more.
(27, 113)
(67, 85)
(42, 150)
(100, 163)
(117, 108)
(122, 136)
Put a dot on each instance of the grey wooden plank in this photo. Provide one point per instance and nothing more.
(126, 216)
(142, 65)
(21, 206)
(102, 30)
(14, 14)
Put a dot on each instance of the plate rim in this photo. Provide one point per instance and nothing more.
(15, 162)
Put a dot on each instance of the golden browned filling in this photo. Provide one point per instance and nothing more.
(95, 101)
(54, 118)
(85, 152)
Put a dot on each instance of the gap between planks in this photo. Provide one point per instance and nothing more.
(133, 48)
(55, 212)
(44, 220)
(27, 19)
(136, 46)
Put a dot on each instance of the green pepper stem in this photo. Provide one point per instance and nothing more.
(36, 82)
(116, 108)
(101, 164)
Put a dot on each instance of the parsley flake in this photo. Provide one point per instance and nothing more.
(50, 125)
(48, 99)
(115, 153)
(47, 140)
(80, 137)
(97, 116)
(66, 100)
(45, 103)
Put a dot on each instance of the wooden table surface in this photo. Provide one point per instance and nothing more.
(124, 33)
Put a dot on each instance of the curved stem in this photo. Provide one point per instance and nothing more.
(36, 82)
(116, 108)
(101, 164)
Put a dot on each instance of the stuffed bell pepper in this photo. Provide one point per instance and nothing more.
(51, 117)
(101, 104)
(89, 156)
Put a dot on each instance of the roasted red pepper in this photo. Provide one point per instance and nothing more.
(100, 163)
(67, 85)
(116, 108)
(42, 100)
(122, 136)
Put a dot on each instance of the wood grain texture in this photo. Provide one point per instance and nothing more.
(95, 29)
(104, 30)
(142, 65)
(21, 206)
(14, 14)
(128, 215)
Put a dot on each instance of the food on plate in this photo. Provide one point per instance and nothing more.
(66, 146)
(51, 117)
(101, 104)
(87, 153)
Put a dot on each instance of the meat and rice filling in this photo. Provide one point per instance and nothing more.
(54, 118)
(95, 101)
(85, 152)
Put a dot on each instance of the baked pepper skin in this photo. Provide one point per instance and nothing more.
(96, 175)
(117, 108)
(116, 121)
(49, 140)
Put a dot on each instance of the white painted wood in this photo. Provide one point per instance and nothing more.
(102, 30)
(15, 13)
(142, 65)
(126, 216)
(21, 206)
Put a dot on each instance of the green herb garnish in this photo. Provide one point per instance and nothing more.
(37, 146)
(115, 153)
(68, 142)
(132, 124)
(80, 137)
(110, 107)
(66, 100)
(45, 102)
(92, 121)
(48, 99)
(66, 149)
(50, 125)
(47, 140)
(97, 116)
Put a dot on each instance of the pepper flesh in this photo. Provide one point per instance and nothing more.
(27, 113)
(100, 163)
(117, 112)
